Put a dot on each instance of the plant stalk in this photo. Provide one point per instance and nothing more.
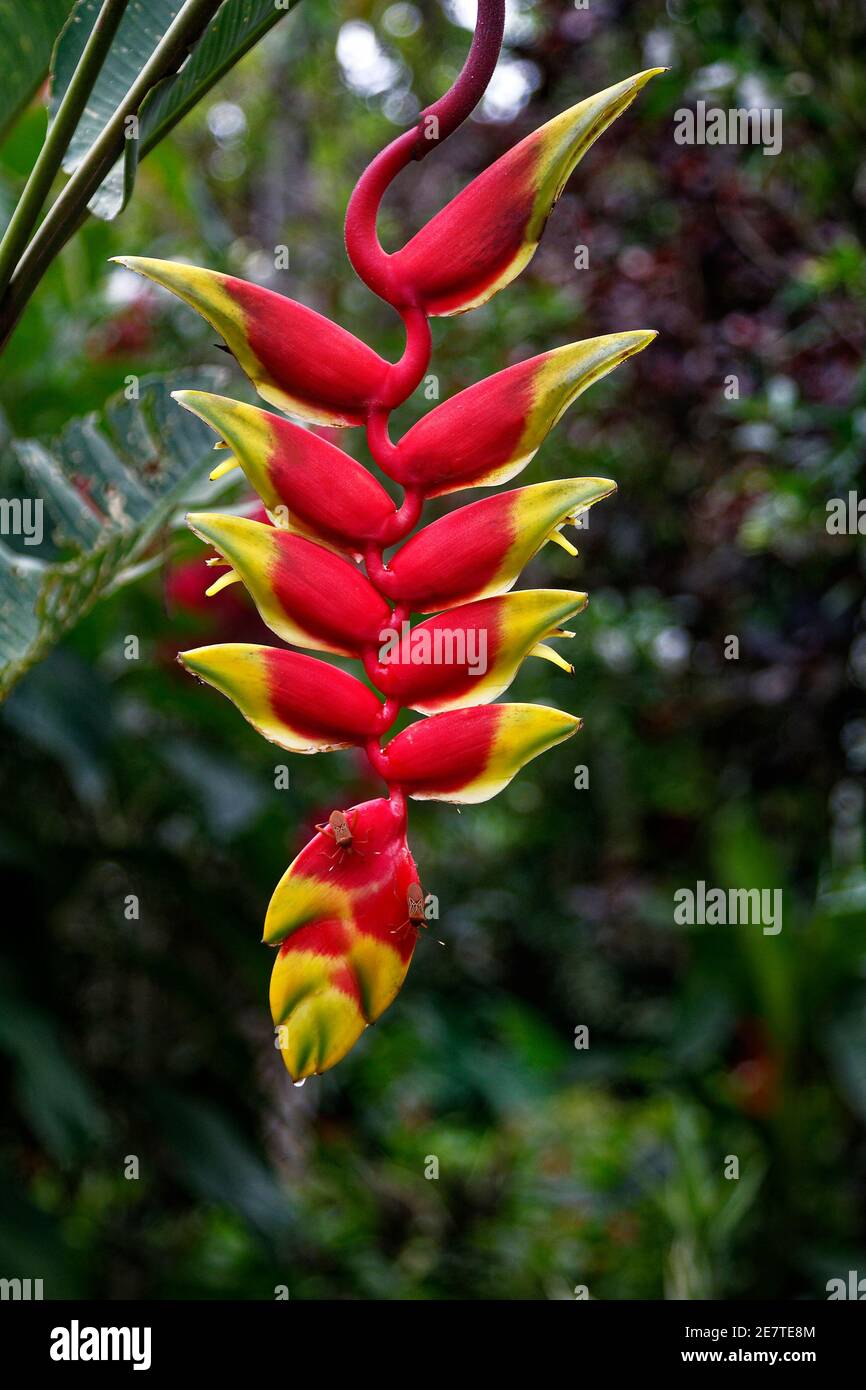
(65, 214)
(57, 137)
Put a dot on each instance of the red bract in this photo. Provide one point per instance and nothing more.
(348, 911)
(481, 549)
(489, 432)
(306, 594)
(303, 704)
(471, 754)
(488, 233)
(340, 916)
(305, 482)
(469, 655)
(335, 382)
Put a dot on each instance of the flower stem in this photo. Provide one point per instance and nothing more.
(405, 516)
(438, 121)
(377, 571)
(377, 758)
(60, 132)
(375, 267)
(71, 204)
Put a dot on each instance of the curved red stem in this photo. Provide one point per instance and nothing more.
(371, 262)
(451, 110)
(376, 268)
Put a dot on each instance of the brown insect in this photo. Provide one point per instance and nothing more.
(415, 907)
(338, 825)
(415, 903)
(343, 835)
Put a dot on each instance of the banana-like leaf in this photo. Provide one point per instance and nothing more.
(235, 28)
(27, 34)
(107, 486)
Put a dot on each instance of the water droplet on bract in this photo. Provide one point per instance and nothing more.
(302, 1082)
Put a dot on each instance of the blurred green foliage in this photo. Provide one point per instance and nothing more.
(558, 1167)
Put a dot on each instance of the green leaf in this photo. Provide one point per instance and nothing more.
(108, 485)
(847, 1043)
(55, 1097)
(234, 1175)
(236, 27)
(28, 29)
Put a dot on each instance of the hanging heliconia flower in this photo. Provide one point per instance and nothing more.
(347, 913)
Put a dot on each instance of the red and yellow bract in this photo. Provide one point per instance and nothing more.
(345, 915)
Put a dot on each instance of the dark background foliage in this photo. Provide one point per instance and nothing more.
(559, 1167)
